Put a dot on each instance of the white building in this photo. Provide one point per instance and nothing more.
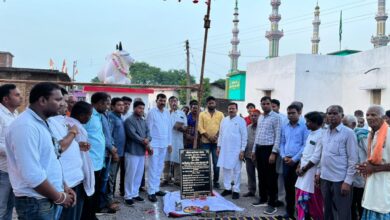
(354, 81)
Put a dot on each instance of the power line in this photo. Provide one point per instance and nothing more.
(295, 31)
(252, 29)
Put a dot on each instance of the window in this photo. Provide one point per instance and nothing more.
(376, 96)
(267, 93)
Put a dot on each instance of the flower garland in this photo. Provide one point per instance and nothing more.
(119, 66)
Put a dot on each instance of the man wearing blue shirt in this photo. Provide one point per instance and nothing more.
(292, 142)
(119, 140)
(96, 138)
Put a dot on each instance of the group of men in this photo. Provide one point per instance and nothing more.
(332, 166)
(59, 159)
(327, 165)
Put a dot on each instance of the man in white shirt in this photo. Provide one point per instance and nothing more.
(80, 115)
(309, 202)
(232, 141)
(160, 126)
(10, 99)
(71, 160)
(179, 124)
(32, 155)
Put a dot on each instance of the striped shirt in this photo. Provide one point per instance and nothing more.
(268, 131)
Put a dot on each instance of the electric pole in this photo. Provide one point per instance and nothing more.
(188, 94)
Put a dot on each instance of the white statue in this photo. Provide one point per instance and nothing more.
(116, 70)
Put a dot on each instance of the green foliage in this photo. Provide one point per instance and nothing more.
(143, 73)
(95, 80)
(183, 92)
(206, 90)
(220, 83)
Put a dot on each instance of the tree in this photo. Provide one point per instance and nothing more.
(206, 90)
(220, 83)
(182, 92)
(95, 80)
(143, 73)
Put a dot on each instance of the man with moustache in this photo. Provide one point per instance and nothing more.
(71, 159)
(338, 154)
(231, 146)
(137, 144)
(208, 127)
(127, 103)
(265, 151)
(33, 157)
(179, 125)
(160, 126)
(191, 123)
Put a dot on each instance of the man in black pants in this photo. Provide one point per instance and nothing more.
(265, 150)
(96, 138)
(292, 142)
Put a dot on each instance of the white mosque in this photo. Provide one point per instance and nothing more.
(352, 79)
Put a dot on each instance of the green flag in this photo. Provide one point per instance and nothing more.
(341, 28)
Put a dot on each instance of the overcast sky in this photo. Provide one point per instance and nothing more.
(154, 31)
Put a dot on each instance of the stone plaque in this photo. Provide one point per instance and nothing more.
(195, 173)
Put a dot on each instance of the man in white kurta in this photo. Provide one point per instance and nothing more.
(179, 124)
(231, 146)
(376, 197)
(159, 123)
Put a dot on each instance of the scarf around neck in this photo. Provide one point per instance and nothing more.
(376, 157)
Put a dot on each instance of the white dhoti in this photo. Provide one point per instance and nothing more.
(234, 175)
(156, 166)
(134, 166)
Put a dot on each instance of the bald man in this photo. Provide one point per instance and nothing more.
(376, 169)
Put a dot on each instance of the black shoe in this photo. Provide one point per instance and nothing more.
(216, 185)
(160, 193)
(270, 210)
(259, 203)
(279, 203)
(236, 195)
(226, 192)
(138, 199)
(248, 194)
(164, 183)
(142, 189)
(152, 198)
(287, 216)
(129, 202)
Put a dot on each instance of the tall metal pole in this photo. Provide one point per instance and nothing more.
(188, 93)
(74, 69)
(200, 91)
